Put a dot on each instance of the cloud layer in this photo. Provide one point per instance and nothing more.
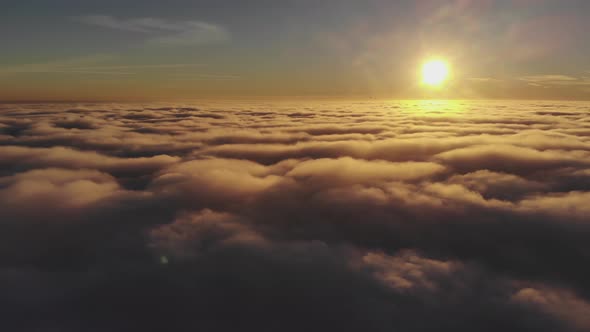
(401, 216)
(161, 31)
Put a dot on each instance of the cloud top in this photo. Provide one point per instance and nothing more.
(374, 216)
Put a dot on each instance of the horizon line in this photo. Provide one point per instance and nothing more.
(270, 98)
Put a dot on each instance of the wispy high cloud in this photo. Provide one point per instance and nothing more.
(92, 70)
(80, 65)
(161, 31)
(103, 65)
(554, 80)
(484, 79)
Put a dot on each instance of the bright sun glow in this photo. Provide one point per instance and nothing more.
(435, 72)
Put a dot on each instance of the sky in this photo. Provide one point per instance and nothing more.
(183, 50)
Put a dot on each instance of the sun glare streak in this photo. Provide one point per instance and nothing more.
(435, 107)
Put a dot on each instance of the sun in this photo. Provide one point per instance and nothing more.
(435, 72)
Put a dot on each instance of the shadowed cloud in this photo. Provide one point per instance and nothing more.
(338, 216)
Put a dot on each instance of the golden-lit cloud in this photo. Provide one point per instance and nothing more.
(384, 211)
